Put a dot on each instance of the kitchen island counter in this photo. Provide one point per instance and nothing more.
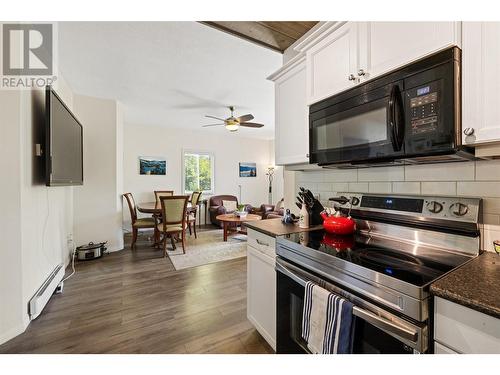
(274, 227)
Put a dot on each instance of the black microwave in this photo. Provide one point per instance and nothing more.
(411, 115)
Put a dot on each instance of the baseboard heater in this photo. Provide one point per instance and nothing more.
(42, 295)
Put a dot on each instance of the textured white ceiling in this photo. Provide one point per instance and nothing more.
(170, 73)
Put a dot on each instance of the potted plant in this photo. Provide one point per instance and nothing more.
(241, 211)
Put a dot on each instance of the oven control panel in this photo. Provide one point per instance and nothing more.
(424, 108)
(449, 208)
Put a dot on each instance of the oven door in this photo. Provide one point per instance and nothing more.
(366, 126)
(376, 330)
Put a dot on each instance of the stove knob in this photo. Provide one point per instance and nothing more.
(459, 209)
(354, 201)
(434, 207)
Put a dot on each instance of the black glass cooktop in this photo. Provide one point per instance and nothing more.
(394, 263)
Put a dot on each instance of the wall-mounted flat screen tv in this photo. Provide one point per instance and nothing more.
(63, 143)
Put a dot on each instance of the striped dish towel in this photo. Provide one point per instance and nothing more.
(327, 321)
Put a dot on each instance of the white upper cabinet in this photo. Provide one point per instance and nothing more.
(291, 111)
(385, 46)
(332, 63)
(481, 82)
(342, 55)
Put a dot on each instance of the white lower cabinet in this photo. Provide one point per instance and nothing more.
(460, 329)
(261, 285)
(441, 349)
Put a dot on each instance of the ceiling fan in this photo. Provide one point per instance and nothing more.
(233, 123)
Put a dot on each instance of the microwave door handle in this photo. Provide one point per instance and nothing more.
(399, 118)
(396, 118)
(390, 119)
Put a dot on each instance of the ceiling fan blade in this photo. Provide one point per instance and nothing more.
(204, 126)
(244, 118)
(251, 125)
(217, 118)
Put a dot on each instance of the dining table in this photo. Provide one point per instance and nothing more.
(152, 207)
(155, 209)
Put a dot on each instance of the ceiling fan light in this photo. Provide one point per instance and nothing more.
(232, 127)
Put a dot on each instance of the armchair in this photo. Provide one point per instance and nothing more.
(269, 211)
(215, 207)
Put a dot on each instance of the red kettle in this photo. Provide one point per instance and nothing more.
(338, 224)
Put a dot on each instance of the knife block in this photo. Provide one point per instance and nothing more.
(314, 214)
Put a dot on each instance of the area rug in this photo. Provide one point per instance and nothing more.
(209, 247)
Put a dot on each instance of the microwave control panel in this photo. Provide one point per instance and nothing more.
(424, 108)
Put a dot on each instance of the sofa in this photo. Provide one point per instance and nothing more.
(216, 208)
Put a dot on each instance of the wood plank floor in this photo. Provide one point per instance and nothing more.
(136, 302)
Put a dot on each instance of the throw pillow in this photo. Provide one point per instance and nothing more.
(230, 205)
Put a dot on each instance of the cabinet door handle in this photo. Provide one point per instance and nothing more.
(351, 77)
(261, 242)
(468, 131)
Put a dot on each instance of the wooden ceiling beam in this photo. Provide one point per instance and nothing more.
(271, 34)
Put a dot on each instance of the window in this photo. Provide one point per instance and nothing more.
(198, 172)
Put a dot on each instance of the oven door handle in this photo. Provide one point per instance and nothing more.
(386, 325)
(377, 321)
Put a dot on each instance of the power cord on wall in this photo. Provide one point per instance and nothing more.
(60, 286)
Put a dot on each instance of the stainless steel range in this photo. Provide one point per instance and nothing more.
(401, 245)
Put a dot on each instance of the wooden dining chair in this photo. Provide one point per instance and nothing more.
(174, 212)
(137, 223)
(192, 211)
(162, 193)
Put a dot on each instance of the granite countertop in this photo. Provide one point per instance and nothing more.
(474, 285)
(274, 227)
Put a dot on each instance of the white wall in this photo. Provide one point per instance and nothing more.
(278, 180)
(38, 219)
(11, 308)
(97, 204)
(229, 150)
(476, 179)
(47, 212)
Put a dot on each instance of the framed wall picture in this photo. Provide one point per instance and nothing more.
(248, 170)
(152, 165)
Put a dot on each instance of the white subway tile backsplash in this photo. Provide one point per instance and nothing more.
(491, 205)
(479, 189)
(324, 186)
(340, 175)
(488, 170)
(358, 187)
(477, 179)
(380, 187)
(340, 187)
(491, 219)
(439, 188)
(406, 187)
(381, 174)
(490, 233)
(310, 186)
(463, 171)
(315, 176)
